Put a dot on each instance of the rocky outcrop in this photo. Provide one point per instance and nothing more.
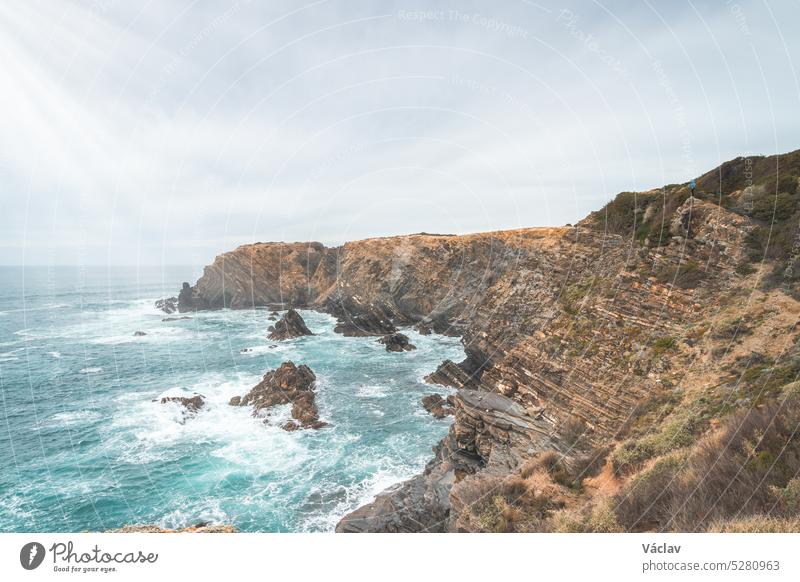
(564, 328)
(296, 275)
(420, 504)
(453, 375)
(438, 406)
(289, 326)
(201, 527)
(167, 305)
(189, 405)
(397, 342)
(289, 384)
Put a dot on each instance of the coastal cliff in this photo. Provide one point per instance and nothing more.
(596, 353)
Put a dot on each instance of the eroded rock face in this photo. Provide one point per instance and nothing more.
(289, 384)
(397, 342)
(454, 376)
(438, 406)
(556, 323)
(289, 326)
(420, 504)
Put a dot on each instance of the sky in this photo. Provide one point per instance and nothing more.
(159, 132)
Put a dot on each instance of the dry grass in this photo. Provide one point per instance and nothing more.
(747, 468)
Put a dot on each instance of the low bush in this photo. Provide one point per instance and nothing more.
(747, 468)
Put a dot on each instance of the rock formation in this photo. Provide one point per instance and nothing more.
(397, 342)
(289, 384)
(289, 326)
(438, 406)
(189, 405)
(168, 305)
(579, 340)
(201, 527)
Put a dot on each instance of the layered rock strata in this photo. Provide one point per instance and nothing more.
(559, 327)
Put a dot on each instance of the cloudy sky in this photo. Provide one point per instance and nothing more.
(167, 132)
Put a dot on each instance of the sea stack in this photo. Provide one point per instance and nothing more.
(289, 384)
(289, 326)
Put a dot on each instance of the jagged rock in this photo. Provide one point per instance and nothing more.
(438, 406)
(289, 326)
(167, 305)
(423, 329)
(420, 504)
(190, 403)
(190, 299)
(452, 375)
(139, 334)
(365, 323)
(289, 384)
(397, 342)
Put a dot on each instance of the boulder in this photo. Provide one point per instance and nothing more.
(397, 342)
(289, 384)
(289, 326)
(438, 406)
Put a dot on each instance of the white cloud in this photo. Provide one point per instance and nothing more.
(177, 131)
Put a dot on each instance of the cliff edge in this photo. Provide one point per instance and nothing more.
(600, 357)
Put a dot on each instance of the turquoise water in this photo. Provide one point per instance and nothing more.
(84, 447)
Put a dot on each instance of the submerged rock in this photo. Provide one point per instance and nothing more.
(289, 384)
(190, 403)
(438, 406)
(397, 342)
(139, 333)
(167, 305)
(181, 318)
(289, 326)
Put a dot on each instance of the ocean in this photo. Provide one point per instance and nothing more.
(85, 445)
